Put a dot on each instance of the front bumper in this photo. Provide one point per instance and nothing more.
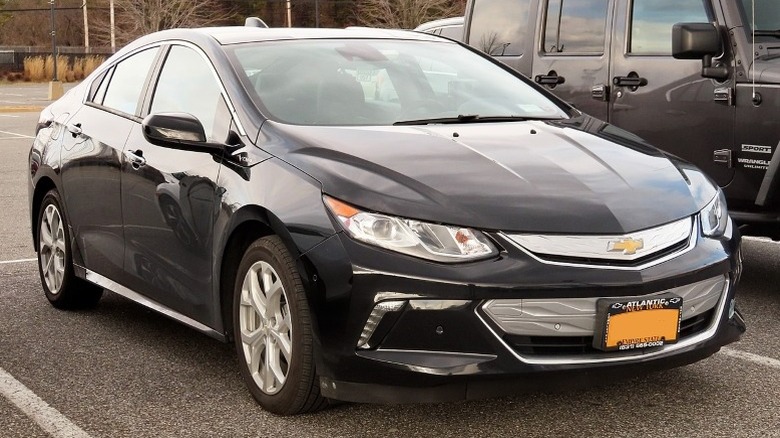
(442, 344)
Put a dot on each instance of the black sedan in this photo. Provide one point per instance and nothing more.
(377, 216)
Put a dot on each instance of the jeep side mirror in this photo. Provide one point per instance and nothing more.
(699, 41)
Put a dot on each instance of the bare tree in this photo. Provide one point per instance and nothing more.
(405, 14)
(135, 18)
(31, 26)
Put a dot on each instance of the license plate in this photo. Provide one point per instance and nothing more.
(640, 323)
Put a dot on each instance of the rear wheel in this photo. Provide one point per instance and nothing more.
(62, 288)
(272, 331)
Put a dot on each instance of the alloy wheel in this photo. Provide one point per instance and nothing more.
(52, 248)
(266, 328)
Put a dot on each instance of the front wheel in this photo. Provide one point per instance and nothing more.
(62, 288)
(272, 331)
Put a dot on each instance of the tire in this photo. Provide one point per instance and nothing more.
(55, 265)
(273, 332)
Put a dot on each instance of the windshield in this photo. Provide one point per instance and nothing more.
(767, 14)
(382, 82)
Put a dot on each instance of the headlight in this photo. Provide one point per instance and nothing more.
(44, 119)
(714, 216)
(436, 242)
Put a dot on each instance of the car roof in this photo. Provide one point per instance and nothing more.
(243, 34)
(452, 21)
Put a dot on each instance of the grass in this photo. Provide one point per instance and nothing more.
(40, 69)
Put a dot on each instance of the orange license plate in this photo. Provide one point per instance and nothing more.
(639, 323)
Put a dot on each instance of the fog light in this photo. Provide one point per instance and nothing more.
(732, 308)
(375, 318)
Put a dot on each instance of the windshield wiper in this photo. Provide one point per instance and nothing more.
(768, 33)
(463, 118)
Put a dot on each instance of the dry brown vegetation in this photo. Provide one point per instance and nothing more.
(405, 14)
(40, 69)
(34, 68)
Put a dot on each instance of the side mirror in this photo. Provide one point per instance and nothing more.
(699, 41)
(178, 131)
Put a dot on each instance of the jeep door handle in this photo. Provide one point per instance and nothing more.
(549, 79)
(632, 82)
(136, 159)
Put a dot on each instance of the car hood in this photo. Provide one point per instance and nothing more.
(573, 176)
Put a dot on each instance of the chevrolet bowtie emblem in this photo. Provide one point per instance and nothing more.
(628, 245)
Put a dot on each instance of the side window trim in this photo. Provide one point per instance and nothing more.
(95, 85)
(101, 91)
(152, 81)
(155, 65)
(114, 112)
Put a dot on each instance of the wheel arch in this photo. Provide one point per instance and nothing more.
(248, 224)
(42, 187)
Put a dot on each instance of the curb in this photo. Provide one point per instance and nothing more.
(21, 109)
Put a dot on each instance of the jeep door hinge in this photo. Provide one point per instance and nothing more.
(724, 95)
(723, 156)
(600, 92)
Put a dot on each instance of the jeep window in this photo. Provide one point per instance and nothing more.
(575, 26)
(652, 22)
(767, 16)
(498, 27)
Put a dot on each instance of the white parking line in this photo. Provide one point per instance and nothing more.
(8, 262)
(9, 116)
(48, 418)
(750, 357)
(15, 134)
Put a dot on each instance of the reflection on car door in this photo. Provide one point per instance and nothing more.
(664, 100)
(92, 145)
(169, 197)
(573, 59)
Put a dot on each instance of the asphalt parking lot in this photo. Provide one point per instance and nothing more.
(123, 371)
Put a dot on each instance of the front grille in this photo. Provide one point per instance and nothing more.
(637, 249)
(679, 246)
(576, 345)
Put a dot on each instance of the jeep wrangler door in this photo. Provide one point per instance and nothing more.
(664, 100)
(572, 56)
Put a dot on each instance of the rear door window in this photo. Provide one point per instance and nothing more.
(127, 83)
(652, 22)
(575, 26)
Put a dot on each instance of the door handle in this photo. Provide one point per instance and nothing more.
(552, 79)
(136, 158)
(632, 81)
(75, 129)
